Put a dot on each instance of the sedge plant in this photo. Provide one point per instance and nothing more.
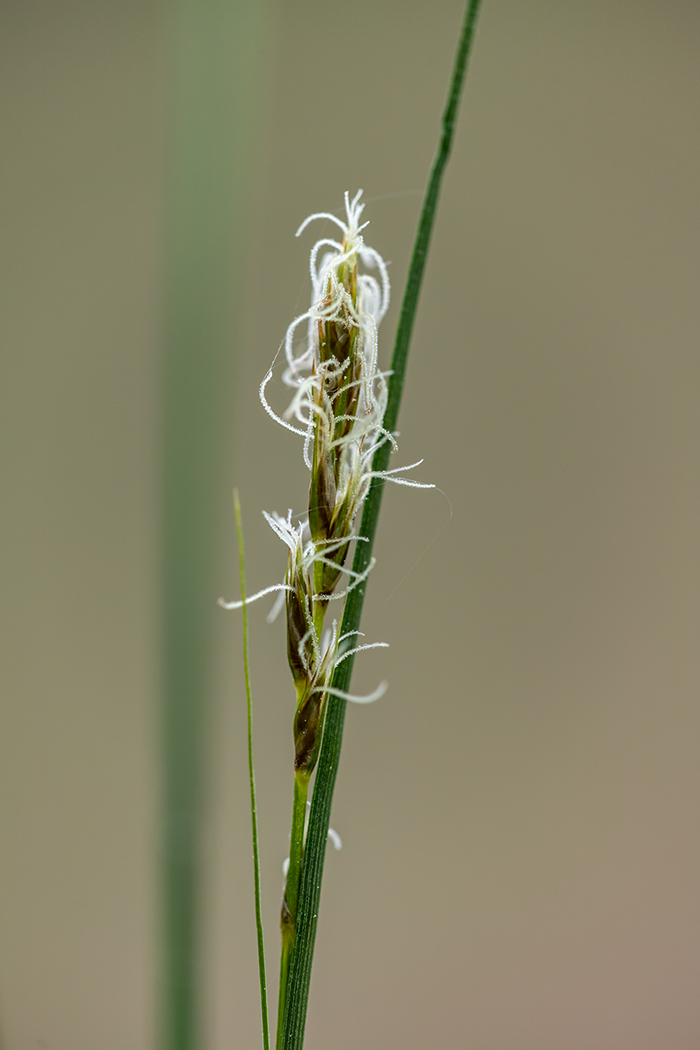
(344, 408)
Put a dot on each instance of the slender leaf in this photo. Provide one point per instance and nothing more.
(319, 821)
(251, 777)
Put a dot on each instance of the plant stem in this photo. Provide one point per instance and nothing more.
(319, 820)
(251, 774)
(205, 175)
(291, 891)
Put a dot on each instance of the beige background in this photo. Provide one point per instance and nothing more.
(520, 812)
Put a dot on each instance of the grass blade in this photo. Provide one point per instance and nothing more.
(212, 79)
(319, 820)
(251, 774)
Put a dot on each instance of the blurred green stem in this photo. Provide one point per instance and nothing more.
(319, 820)
(213, 55)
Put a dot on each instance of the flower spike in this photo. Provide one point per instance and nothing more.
(339, 396)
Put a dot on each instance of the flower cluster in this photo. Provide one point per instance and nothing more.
(337, 407)
(338, 404)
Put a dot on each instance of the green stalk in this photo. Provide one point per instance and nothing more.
(290, 901)
(199, 266)
(319, 820)
(251, 775)
(291, 892)
(213, 47)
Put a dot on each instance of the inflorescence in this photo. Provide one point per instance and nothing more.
(338, 405)
(337, 408)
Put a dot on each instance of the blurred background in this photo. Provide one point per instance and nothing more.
(520, 812)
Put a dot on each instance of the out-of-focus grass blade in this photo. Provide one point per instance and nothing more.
(213, 48)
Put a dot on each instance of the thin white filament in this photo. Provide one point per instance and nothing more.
(321, 215)
(335, 839)
(355, 583)
(399, 470)
(254, 597)
(360, 649)
(276, 608)
(342, 695)
(399, 481)
(273, 414)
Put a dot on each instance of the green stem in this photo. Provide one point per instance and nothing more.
(319, 820)
(288, 918)
(251, 774)
(291, 892)
(207, 150)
